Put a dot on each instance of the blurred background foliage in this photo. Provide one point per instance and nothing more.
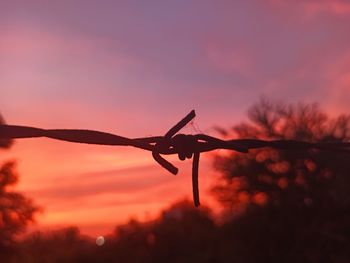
(278, 206)
(16, 210)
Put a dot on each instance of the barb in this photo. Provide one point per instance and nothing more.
(185, 146)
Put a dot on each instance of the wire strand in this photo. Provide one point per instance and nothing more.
(185, 146)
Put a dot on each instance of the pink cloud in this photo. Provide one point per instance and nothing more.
(230, 58)
(40, 45)
(338, 76)
(335, 7)
(312, 8)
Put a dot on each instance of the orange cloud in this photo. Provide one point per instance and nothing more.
(97, 202)
(96, 187)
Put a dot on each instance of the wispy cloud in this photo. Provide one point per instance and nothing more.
(125, 180)
(333, 7)
(230, 59)
(313, 9)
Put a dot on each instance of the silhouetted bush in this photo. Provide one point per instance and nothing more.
(16, 210)
(292, 205)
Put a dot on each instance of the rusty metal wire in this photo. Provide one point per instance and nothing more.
(185, 146)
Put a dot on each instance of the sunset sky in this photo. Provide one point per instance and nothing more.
(135, 68)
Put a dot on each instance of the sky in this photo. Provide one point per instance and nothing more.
(135, 68)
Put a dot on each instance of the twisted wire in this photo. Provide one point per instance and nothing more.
(185, 146)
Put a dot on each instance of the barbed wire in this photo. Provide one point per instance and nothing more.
(185, 146)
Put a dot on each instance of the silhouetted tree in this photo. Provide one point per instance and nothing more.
(64, 245)
(16, 211)
(181, 234)
(287, 206)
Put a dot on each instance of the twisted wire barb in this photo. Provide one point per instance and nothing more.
(185, 146)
